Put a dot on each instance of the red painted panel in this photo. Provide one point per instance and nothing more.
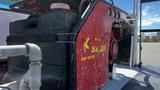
(92, 49)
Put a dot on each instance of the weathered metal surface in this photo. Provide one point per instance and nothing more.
(92, 48)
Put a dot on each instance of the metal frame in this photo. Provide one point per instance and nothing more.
(133, 52)
(145, 30)
(147, 1)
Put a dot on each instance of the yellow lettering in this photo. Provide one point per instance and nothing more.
(100, 49)
(85, 44)
(88, 58)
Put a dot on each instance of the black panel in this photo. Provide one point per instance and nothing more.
(56, 20)
(150, 30)
(57, 56)
(146, 1)
(124, 50)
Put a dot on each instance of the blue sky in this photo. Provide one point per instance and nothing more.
(123, 4)
(4, 5)
(151, 12)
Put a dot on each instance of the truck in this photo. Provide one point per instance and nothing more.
(77, 42)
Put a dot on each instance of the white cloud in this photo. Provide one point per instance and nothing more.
(145, 11)
(150, 21)
(150, 16)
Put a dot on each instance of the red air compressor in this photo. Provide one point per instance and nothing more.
(77, 42)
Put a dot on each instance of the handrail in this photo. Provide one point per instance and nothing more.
(32, 79)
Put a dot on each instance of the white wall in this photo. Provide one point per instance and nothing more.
(5, 18)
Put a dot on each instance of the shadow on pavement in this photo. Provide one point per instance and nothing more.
(139, 84)
(151, 70)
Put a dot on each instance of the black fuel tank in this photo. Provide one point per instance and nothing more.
(47, 32)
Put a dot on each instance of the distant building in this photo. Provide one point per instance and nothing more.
(158, 34)
(150, 37)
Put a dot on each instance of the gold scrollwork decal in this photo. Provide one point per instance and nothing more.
(93, 48)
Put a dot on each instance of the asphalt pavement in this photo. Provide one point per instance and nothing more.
(151, 54)
(148, 77)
